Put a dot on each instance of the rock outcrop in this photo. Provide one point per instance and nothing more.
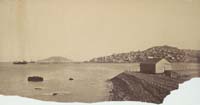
(35, 79)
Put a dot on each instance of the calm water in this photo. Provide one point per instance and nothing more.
(89, 84)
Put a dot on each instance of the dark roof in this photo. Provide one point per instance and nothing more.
(151, 61)
(147, 87)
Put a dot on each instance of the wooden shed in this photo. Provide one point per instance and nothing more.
(155, 65)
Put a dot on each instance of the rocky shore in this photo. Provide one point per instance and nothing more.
(152, 88)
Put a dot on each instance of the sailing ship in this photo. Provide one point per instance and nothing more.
(20, 62)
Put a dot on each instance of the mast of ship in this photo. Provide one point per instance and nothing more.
(21, 28)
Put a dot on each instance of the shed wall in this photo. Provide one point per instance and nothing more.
(162, 65)
(147, 68)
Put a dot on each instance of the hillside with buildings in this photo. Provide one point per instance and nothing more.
(172, 54)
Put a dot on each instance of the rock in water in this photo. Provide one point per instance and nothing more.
(38, 88)
(35, 79)
(71, 79)
(54, 94)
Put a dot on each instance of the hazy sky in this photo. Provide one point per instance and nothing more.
(83, 29)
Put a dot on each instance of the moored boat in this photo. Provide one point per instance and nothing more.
(20, 62)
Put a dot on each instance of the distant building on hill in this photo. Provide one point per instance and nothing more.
(155, 65)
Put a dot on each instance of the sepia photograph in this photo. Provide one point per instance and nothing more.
(98, 50)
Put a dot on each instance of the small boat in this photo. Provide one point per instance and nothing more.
(20, 62)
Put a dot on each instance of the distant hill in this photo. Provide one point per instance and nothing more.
(172, 54)
(55, 59)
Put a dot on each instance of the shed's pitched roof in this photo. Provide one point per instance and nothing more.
(151, 61)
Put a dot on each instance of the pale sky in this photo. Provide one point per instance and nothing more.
(83, 29)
